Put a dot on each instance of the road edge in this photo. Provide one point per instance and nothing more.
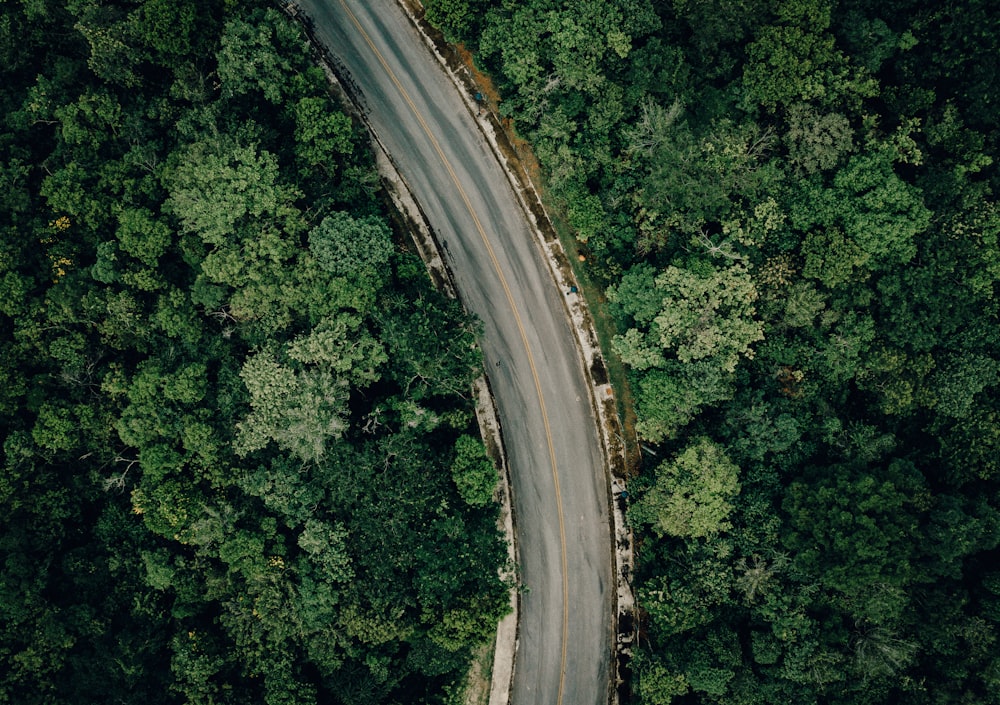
(416, 224)
(622, 629)
(588, 348)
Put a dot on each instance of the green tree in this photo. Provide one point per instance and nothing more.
(656, 682)
(854, 530)
(458, 20)
(692, 493)
(115, 52)
(142, 235)
(956, 384)
(696, 177)
(217, 185)
(422, 362)
(704, 313)
(327, 549)
(265, 54)
(817, 142)
(473, 472)
(175, 30)
(795, 60)
(300, 410)
(345, 246)
(323, 135)
(668, 399)
(878, 214)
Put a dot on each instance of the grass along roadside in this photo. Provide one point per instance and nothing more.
(475, 690)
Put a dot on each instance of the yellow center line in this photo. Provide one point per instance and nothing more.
(520, 327)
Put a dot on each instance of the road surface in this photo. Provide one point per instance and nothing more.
(557, 472)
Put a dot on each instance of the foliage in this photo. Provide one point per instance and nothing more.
(692, 493)
(473, 472)
(344, 246)
(792, 209)
(230, 402)
(458, 19)
(703, 314)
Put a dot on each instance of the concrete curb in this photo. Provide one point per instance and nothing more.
(502, 674)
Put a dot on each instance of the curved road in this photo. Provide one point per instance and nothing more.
(557, 471)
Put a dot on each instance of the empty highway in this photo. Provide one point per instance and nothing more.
(557, 470)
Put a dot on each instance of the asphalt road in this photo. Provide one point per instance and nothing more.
(559, 485)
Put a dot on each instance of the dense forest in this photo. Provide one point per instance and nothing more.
(240, 461)
(790, 206)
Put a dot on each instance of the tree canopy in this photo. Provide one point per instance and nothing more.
(791, 209)
(240, 463)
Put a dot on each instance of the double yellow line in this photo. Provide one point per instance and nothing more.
(520, 327)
